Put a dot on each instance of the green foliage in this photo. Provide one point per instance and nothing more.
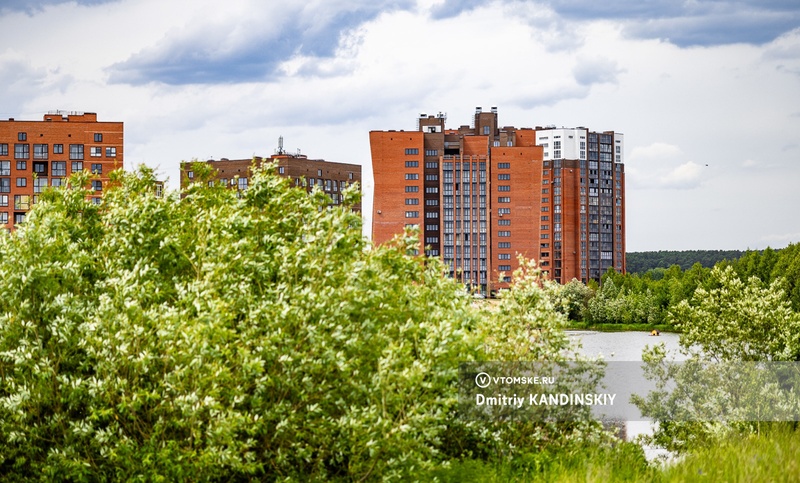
(216, 336)
(580, 463)
(524, 326)
(731, 322)
(572, 299)
(739, 320)
(225, 337)
(773, 455)
(771, 265)
(641, 262)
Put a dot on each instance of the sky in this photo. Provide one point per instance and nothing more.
(707, 93)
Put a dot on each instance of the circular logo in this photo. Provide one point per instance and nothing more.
(482, 380)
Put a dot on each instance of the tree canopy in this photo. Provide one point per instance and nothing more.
(230, 335)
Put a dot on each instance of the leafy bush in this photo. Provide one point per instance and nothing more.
(730, 324)
(224, 337)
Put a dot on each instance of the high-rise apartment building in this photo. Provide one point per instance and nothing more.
(331, 178)
(38, 154)
(484, 194)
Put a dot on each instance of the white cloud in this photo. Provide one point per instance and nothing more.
(687, 175)
(662, 166)
(680, 109)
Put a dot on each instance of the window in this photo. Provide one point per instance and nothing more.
(242, 183)
(97, 185)
(432, 165)
(58, 149)
(4, 217)
(190, 174)
(3, 200)
(503, 165)
(5, 185)
(22, 202)
(412, 214)
(504, 256)
(505, 222)
(78, 166)
(504, 268)
(412, 201)
(40, 151)
(39, 185)
(412, 189)
(40, 169)
(431, 152)
(21, 182)
(504, 188)
(410, 176)
(503, 177)
(504, 245)
(281, 170)
(431, 177)
(98, 137)
(504, 234)
(56, 182)
(432, 227)
(22, 151)
(412, 164)
(5, 168)
(431, 202)
(22, 136)
(111, 152)
(96, 151)
(431, 214)
(412, 151)
(485, 130)
(504, 211)
(4, 149)
(432, 189)
(76, 151)
(19, 218)
(504, 199)
(96, 200)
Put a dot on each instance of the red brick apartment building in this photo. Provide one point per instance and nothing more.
(482, 194)
(52, 149)
(330, 177)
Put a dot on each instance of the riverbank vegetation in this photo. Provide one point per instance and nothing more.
(255, 335)
(646, 301)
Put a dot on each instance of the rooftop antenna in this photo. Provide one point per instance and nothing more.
(280, 146)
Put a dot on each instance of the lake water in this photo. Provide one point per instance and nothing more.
(628, 346)
(621, 346)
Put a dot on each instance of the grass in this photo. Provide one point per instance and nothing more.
(574, 325)
(770, 457)
(624, 462)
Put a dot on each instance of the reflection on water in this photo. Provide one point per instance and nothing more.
(628, 346)
(621, 346)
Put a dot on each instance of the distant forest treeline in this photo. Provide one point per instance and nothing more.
(657, 283)
(640, 262)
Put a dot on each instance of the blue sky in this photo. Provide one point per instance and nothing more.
(707, 93)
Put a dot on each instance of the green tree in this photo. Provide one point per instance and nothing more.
(228, 335)
(730, 321)
(572, 299)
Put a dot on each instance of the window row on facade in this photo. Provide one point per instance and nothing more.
(41, 151)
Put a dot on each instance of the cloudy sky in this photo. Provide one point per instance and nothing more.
(706, 92)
